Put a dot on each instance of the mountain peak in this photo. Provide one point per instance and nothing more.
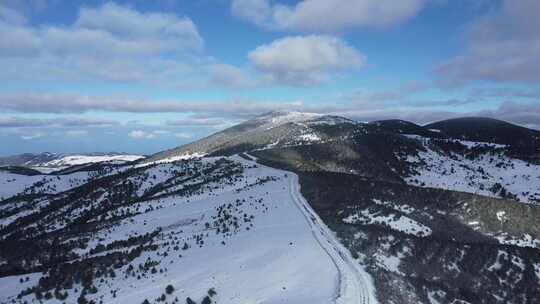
(279, 117)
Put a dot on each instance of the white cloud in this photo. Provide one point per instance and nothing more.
(106, 43)
(197, 122)
(183, 135)
(400, 93)
(231, 76)
(22, 122)
(62, 103)
(326, 15)
(171, 32)
(33, 136)
(305, 59)
(161, 132)
(501, 47)
(140, 134)
(76, 133)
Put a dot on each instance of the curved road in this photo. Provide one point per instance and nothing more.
(354, 284)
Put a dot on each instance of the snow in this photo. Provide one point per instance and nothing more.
(310, 137)
(275, 119)
(390, 263)
(73, 160)
(501, 216)
(287, 256)
(436, 169)
(404, 208)
(537, 271)
(524, 241)
(356, 286)
(185, 156)
(12, 184)
(434, 295)
(397, 222)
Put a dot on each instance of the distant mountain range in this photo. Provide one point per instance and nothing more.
(48, 162)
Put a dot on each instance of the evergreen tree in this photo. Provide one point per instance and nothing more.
(206, 300)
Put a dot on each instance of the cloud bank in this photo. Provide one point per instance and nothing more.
(107, 43)
(500, 47)
(326, 15)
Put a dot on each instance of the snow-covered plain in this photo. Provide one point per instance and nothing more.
(280, 252)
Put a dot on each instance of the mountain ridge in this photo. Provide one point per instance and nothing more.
(243, 137)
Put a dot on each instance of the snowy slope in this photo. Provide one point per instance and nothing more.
(47, 162)
(489, 173)
(250, 236)
(270, 130)
(274, 119)
(12, 184)
(73, 160)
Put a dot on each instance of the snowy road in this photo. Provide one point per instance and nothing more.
(354, 285)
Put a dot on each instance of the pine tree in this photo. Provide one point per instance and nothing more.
(206, 300)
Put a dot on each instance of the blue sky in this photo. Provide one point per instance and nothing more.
(142, 76)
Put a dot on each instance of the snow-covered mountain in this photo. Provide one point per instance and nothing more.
(287, 207)
(47, 162)
(268, 130)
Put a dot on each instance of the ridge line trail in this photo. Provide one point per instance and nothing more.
(353, 284)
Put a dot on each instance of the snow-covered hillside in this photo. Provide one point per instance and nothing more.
(227, 229)
(207, 223)
(482, 168)
(48, 162)
(74, 160)
(274, 119)
(17, 184)
(270, 130)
